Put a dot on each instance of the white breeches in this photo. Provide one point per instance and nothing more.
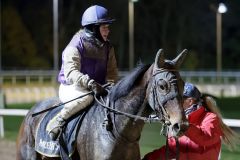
(69, 92)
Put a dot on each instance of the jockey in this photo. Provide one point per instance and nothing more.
(88, 62)
(203, 138)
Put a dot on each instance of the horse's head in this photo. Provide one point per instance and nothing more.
(165, 93)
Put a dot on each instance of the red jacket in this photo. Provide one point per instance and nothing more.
(202, 141)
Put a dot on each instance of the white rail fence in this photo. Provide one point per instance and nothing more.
(34, 86)
(23, 112)
(29, 76)
(32, 94)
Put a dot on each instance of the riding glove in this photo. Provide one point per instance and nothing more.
(98, 89)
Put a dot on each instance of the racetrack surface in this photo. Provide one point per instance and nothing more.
(7, 150)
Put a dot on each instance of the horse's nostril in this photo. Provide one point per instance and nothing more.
(176, 127)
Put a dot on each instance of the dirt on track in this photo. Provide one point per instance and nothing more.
(7, 150)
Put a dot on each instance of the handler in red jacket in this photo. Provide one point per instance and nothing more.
(202, 141)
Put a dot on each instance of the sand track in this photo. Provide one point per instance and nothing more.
(7, 150)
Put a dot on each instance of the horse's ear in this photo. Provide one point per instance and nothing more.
(179, 59)
(159, 60)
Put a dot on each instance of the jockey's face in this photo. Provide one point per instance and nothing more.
(104, 30)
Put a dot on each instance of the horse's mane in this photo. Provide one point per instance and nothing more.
(124, 86)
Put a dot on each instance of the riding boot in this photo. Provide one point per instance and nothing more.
(55, 126)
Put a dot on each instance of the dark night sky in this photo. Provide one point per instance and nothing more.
(169, 24)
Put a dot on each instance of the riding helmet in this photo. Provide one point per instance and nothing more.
(96, 15)
(191, 90)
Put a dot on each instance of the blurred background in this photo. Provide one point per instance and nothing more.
(33, 33)
(28, 27)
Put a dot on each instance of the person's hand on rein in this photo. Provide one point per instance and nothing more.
(98, 89)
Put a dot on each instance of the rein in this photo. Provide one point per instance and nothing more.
(164, 130)
(164, 120)
(145, 119)
(61, 103)
(165, 116)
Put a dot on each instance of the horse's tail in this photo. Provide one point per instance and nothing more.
(25, 140)
(18, 142)
(230, 138)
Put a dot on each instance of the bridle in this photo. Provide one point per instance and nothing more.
(166, 123)
(165, 116)
(159, 104)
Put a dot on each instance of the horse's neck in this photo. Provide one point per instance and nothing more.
(134, 103)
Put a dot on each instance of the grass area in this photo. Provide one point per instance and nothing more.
(230, 107)
(12, 123)
(151, 138)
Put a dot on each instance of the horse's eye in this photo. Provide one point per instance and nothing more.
(163, 86)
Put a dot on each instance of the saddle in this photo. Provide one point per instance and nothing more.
(65, 145)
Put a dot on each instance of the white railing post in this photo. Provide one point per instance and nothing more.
(1, 117)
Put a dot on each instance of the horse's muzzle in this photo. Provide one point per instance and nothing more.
(179, 128)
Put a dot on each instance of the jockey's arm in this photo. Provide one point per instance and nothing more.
(72, 60)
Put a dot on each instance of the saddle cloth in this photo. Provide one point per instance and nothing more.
(66, 143)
